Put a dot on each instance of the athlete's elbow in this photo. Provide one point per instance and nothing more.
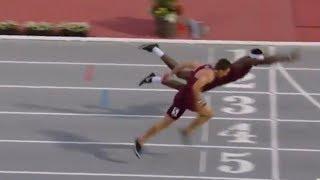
(209, 114)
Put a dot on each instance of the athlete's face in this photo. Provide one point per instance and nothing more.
(222, 73)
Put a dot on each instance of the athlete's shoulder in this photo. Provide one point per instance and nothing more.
(205, 66)
(208, 66)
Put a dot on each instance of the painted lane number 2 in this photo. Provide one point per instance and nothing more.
(243, 83)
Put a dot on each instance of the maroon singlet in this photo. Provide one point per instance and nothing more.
(184, 99)
(238, 70)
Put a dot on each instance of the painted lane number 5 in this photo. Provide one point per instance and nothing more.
(243, 166)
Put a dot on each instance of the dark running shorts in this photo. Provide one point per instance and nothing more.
(182, 101)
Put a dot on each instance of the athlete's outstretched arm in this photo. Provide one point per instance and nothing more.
(293, 56)
(270, 60)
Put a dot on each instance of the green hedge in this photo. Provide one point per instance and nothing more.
(9, 28)
(39, 29)
(45, 29)
(74, 29)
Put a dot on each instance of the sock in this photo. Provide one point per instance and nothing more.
(156, 79)
(157, 51)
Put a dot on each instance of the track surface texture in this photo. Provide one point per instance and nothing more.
(54, 125)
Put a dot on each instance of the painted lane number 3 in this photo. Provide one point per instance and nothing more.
(242, 105)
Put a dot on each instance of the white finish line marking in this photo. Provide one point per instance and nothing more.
(129, 144)
(64, 62)
(169, 41)
(152, 145)
(23, 113)
(123, 175)
(203, 162)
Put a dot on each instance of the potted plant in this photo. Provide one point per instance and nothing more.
(165, 13)
(9, 28)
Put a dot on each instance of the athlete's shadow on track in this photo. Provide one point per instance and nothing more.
(47, 108)
(98, 151)
(145, 109)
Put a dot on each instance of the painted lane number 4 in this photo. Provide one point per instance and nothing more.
(240, 132)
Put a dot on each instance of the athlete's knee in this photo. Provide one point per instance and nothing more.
(165, 78)
(184, 74)
(208, 114)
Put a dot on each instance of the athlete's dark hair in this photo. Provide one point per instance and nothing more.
(222, 64)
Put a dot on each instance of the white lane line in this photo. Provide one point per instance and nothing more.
(23, 113)
(301, 69)
(205, 132)
(203, 162)
(84, 88)
(299, 150)
(299, 120)
(151, 145)
(140, 89)
(119, 89)
(274, 123)
(292, 93)
(80, 63)
(150, 40)
(205, 127)
(211, 55)
(131, 144)
(298, 87)
(122, 175)
(64, 62)
(26, 113)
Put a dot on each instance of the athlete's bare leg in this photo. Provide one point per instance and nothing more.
(204, 114)
(155, 129)
(172, 63)
(169, 61)
(151, 132)
(174, 84)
